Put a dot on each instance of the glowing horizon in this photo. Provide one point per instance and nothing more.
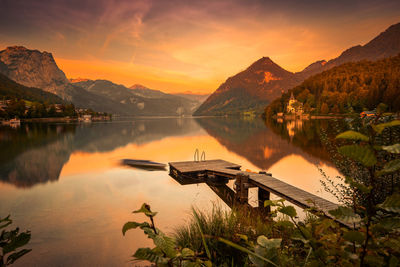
(176, 46)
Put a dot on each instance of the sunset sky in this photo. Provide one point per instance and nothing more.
(180, 45)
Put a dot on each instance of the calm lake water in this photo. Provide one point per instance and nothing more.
(65, 184)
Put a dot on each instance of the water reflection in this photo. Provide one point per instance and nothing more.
(83, 196)
(36, 152)
(266, 143)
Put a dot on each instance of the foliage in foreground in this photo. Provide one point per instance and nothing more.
(368, 233)
(224, 224)
(10, 242)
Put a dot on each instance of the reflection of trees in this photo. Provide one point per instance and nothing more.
(264, 146)
(36, 152)
(308, 136)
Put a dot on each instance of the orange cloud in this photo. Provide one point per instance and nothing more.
(129, 74)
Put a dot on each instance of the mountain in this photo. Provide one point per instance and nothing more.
(79, 79)
(250, 89)
(143, 91)
(192, 96)
(139, 100)
(352, 86)
(33, 68)
(386, 44)
(197, 99)
(10, 89)
(248, 86)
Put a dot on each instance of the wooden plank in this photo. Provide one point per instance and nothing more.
(195, 166)
(268, 183)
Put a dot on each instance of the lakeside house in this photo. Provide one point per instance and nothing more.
(293, 110)
(87, 118)
(294, 107)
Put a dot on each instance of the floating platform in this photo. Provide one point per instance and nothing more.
(219, 170)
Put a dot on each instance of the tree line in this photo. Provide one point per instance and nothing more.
(18, 108)
(348, 88)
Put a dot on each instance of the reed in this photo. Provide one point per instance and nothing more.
(228, 224)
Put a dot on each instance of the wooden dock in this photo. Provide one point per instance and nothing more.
(219, 171)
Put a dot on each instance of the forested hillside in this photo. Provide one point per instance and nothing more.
(351, 87)
(12, 90)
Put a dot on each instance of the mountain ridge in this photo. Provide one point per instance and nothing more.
(236, 95)
(33, 68)
(139, 101)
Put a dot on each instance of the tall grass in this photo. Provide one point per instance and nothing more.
(221, 223)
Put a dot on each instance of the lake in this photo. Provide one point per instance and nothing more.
(64, 182)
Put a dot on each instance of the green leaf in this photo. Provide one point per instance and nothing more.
(289, 210)
(390, 167)
(359, 186)
(17, 240)
(149, 255)
(15, 256)
(345, 215)
(245, 250)
(273, 203)
(187, 252)
(391, 203)
(352, 135)
(380, 127)
(133, 225)
(284, 223)
(362, 154)
(390, 223)
(145, 208)
(269, 243)
(166, 244)
(354, 236)
(197, 219)
(243, 237)
(395, 149)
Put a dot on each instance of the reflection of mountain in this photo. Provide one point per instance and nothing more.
(264, 146)
(101, 137)
(36, 153)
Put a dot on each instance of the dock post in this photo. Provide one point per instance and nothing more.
(263, 195)
(241, 187)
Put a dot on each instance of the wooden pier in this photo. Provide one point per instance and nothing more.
(214, 171)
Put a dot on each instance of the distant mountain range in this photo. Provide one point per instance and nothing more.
(32, 68)
(251, 89)
(191, 96)
(264, 81)
(139, 100)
